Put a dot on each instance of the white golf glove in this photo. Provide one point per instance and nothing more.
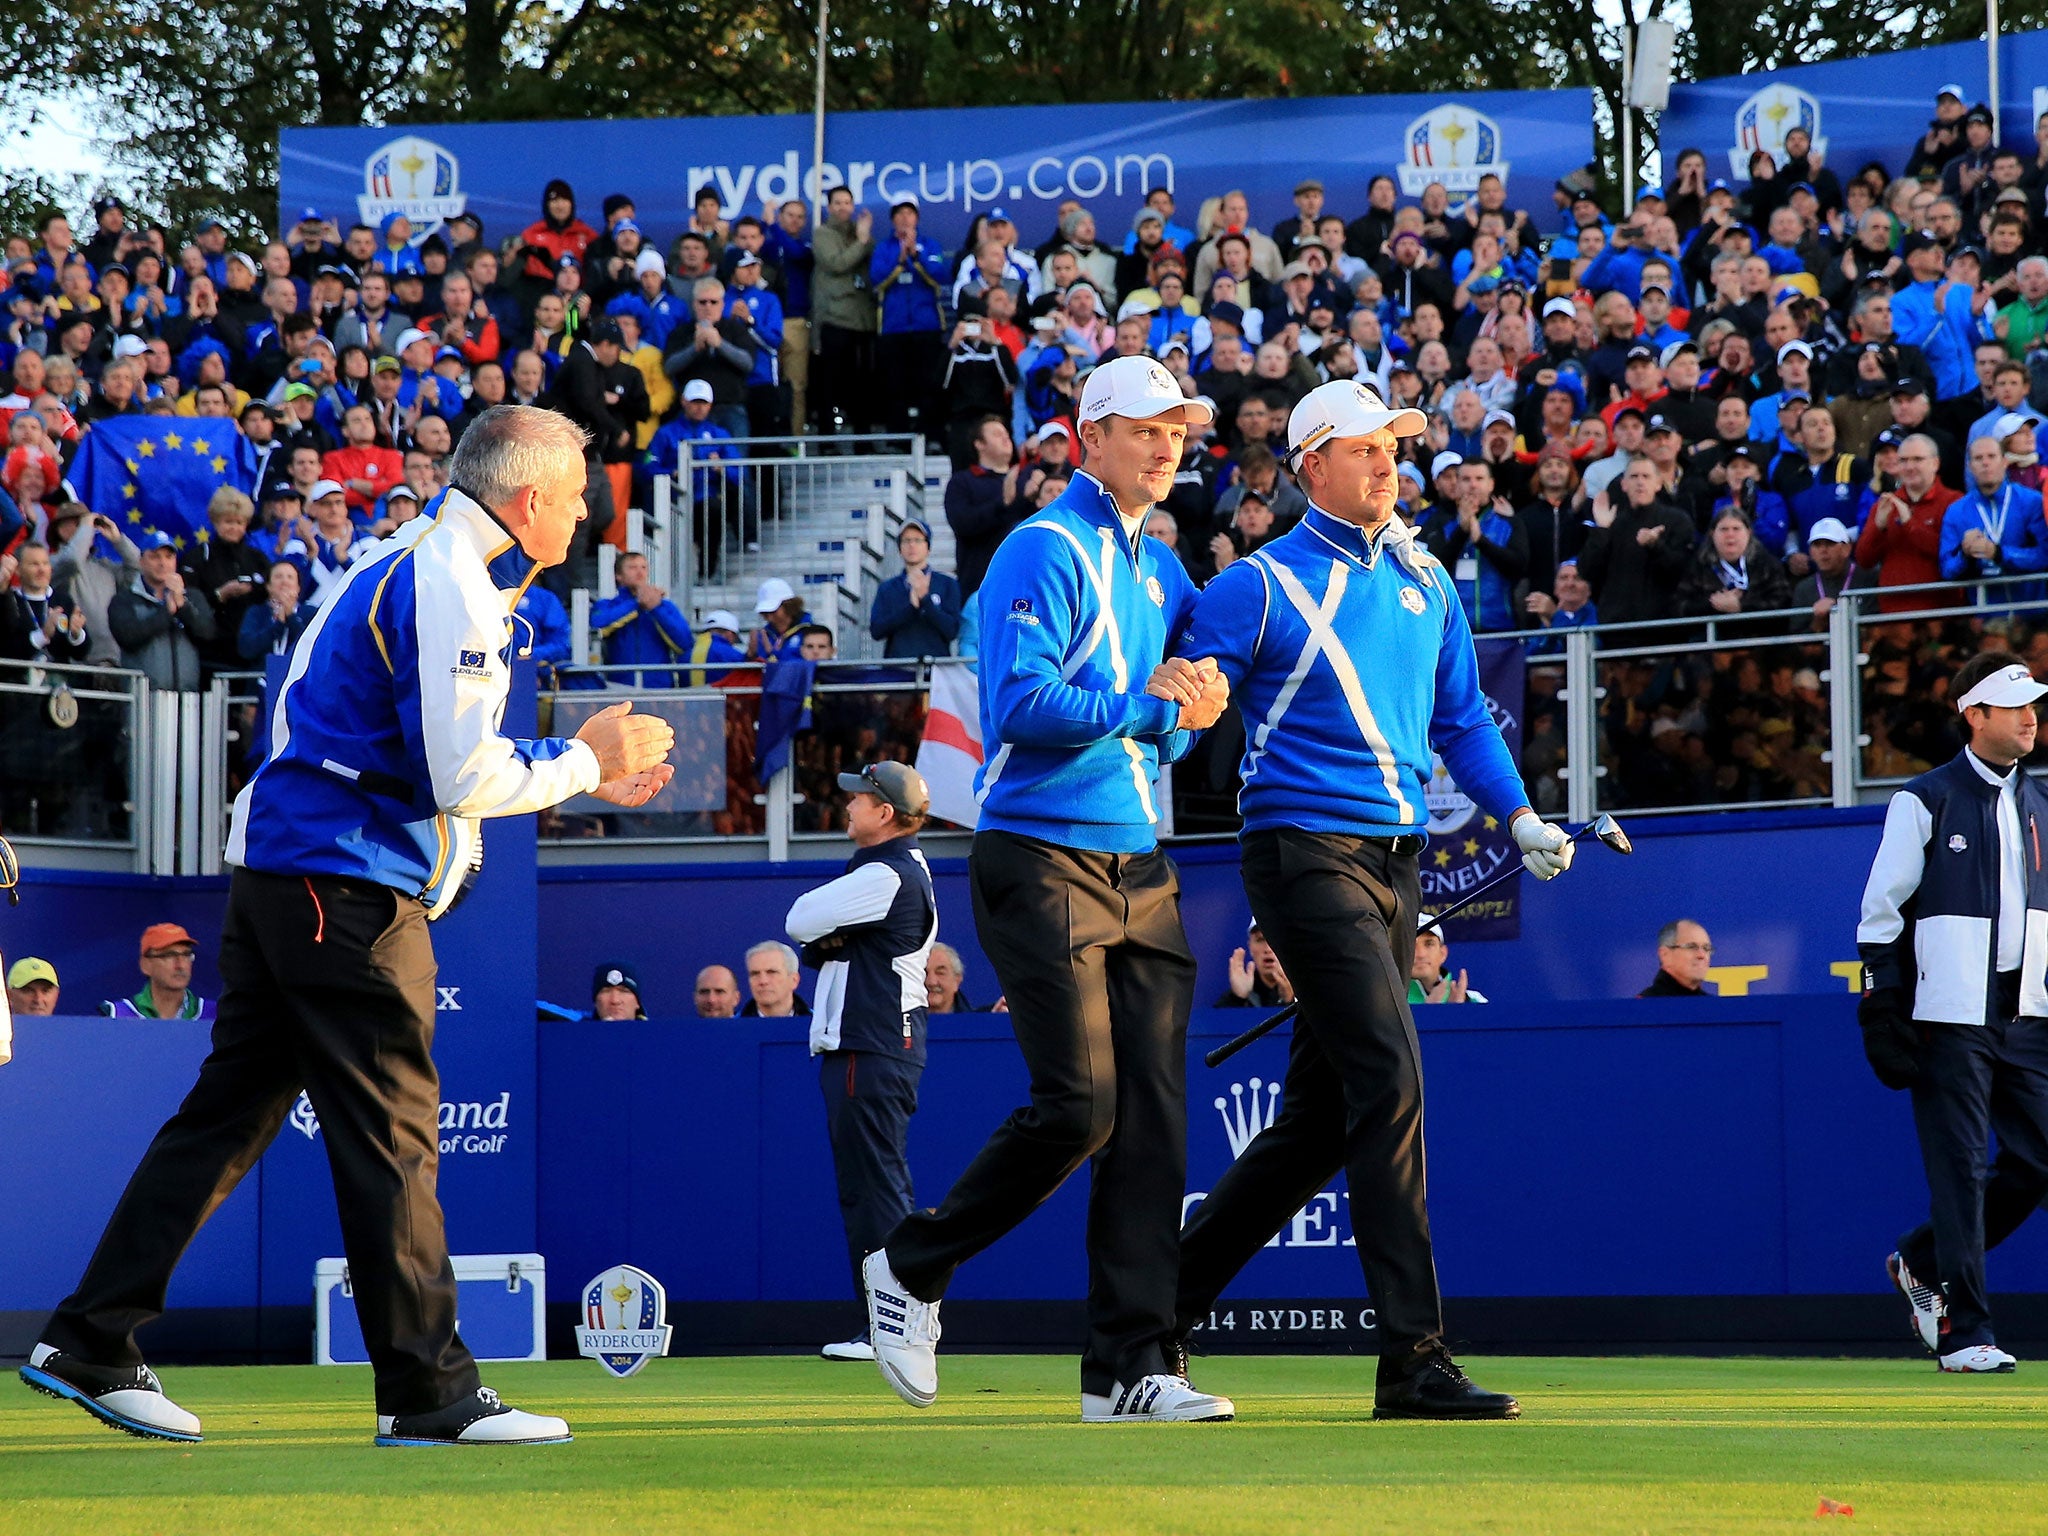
(1546, 851)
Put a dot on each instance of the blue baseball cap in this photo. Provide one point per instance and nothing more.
(625, 224)
(155, 538)
(1651, 191)
(309, 215)
(999, 212)
(1719, 184)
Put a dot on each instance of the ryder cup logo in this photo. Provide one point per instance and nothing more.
(1244, 1118)
(1763, 121)
(625, 1320)
(1453, 145)
(302, 1119)
(415, 177)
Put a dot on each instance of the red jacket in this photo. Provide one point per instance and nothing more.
(1907, 552)
(572, 239)
(382, 467)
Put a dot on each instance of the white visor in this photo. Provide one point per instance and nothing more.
(2007, 688)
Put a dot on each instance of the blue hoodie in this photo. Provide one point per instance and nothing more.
(1341, 713)
(404, 259)
(1075, 620)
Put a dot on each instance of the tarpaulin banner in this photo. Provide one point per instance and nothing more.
(1468, 846)
(956, 162)
(1855, 110)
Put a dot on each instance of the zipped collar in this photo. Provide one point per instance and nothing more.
(1091, 499)
(511, 567)
(1349, 537)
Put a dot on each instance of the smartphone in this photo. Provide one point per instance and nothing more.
(971, 329)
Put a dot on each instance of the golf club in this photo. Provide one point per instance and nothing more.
(10, 873)
(1605, 828)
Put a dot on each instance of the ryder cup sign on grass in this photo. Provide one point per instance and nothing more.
(625, 1320)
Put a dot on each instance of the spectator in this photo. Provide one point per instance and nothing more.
(158, 623)
(944, 971)
(917, 611)
(1901, 537)
(92, 559)
(782, 614)
(1256, 979)
(272, 624)
(715, 494)
(1830, 549)
(772, 979)
(31, 988)
(717, 993)
(615, 994)
(908, 273)
(1259, 471)
(1427, 980)
(1483, 546)
(1637, 550)
(718, 348)
(751, 300)
(36, 624)
(639, 623)
(1568, 605)
(982, 505)
(1984, 532)
(364, 466)
(1684, 955)
(1733, 573)
(166, 960)
(815, 642)
(555, 234)
(230, 571)
(338, 542)
(843, 308)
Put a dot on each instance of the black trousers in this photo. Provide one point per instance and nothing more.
(329, 989)
(1978, 1079)
(869, 1099)
(844, 377)
(908, 367)
(1340, 914)
(1091, 956)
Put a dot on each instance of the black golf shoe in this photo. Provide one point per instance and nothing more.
(1438, 1389)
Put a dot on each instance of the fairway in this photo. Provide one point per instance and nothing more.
(795, 1445)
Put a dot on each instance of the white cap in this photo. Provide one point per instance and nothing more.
(1140, 388)
(1132, 309)
(1345, 408)
(697, 389)
(1951, 90)
(1177, 342)
(1054, 429)
(722, 618)
(773, 594)
(1792, 348)
(406, 338)
(1563, 307)
(1496, 416)
(2007, 688)
(325, 488)
(1665, 357)
(401, 489)
(129, 345)
(1443, 461)
(1829, 530)
(649, 261)
(2014, 421)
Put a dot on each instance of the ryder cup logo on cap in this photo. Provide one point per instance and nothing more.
(2007, 688)
(1139, 388)
(1342, 408)
(625, 1320)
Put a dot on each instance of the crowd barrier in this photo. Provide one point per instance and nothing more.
(1659, 1174)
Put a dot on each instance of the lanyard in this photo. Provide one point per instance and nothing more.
(1995, 531)
(1735, 576)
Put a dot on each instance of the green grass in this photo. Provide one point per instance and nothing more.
(788, 1445)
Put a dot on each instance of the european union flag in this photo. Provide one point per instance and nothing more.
(159, 472)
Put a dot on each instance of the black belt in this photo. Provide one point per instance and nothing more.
(1409, 843)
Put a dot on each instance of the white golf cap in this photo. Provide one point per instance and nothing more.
(1054, 429)
(1496, 417)
(2007, 688)
(1795, 349)
(2014, 421)
(1140, 388)
(322, 489)
(1829, 530)
(1132, 309)
(722, 618)
(1443, 461)
(1951, 90)
(773, 594)
(406, 338)
(1563, 307)
(697, 389)
(1345, 408)
(129, 345)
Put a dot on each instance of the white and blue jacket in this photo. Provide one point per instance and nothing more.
(1351, 659)
(871, 994)
(1074, 618)
(385, 748)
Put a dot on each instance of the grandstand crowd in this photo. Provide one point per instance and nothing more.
(1733, 402)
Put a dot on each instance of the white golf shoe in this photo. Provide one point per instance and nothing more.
(904, 1332)
(851, 1349)
(125, 1397)
(1930, 1307)
(1979, 1359)
(1160, 1399)
(481, 1418)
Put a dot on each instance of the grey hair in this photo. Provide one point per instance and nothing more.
(776, 947)
(1668, 934)
(511, 447)
(2039, 262)
(705, 285)
(951, 956)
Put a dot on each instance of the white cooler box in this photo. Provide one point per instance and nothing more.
(500, 1302)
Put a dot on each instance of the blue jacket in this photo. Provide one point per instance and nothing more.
(767, 330)
(2011, 516)
(385, 750)
(262, 635)
(1770, 520)
(910, 285)
(1488, 597)
(1617, 271)
(631, 633)
(885, 918)
(1351, 661)
(656, 319)
(1074, 620)
(1553, 642)
(797, 262)
(1809, 495)
(925, 630)
(541, 629)
(664, 455)
(1944, 335)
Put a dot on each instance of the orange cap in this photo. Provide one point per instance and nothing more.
(163, 936)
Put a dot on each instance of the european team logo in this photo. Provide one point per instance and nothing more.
(415, 177)
(625, 1320)
(1763, 121)
(1453, 145)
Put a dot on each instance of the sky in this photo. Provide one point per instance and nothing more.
(61, 143)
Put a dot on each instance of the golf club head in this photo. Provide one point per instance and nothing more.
(1608, 830)
(10, 873)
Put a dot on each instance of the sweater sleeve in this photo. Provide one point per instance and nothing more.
(1461, 729)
